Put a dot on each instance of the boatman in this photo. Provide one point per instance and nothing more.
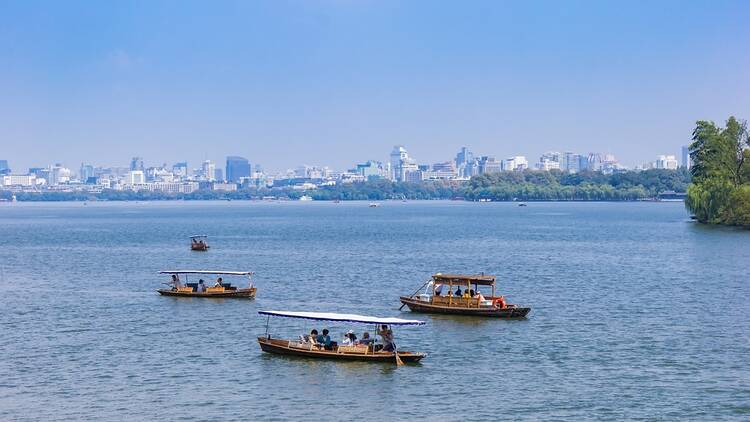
(176, 281)
(387, 335)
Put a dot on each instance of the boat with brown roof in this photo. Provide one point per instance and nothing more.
(470, 301)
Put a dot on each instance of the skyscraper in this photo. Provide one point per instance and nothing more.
(180, 169)
(686, 157)
(209, 170)
(401, 163)
(4, 169)
(136, 164)
(237, 168)
(86, 172)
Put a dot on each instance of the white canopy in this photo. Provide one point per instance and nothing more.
(330, 316)
(206, 272)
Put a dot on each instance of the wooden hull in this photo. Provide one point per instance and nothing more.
(239, 293)
(199, 248)
(484, 311)
(282, 347)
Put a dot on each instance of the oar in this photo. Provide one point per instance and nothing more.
(399, 362)
(415, 292)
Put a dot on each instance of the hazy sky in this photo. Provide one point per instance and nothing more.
(337, 82)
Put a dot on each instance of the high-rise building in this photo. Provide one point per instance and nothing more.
(517, 163)
(489, 165)
(208, 170)
(666, 162)
(59, 174)
(594, 161)
(549, 161)
(136, 164)
(464, 160)
(401, 163)
(4, 168)
(136, 177)
(686, 163)
(573, 163)
(371, 170)
(180, 169)
(237, 168)
(86, 173)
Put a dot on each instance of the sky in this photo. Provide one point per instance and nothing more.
(286, 83)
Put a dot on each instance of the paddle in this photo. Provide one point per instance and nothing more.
(399, 362)
(415, 292)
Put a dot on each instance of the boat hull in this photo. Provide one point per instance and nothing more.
(493, 312)
(281, 347)
(239, 293)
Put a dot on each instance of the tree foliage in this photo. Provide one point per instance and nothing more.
(720, 192)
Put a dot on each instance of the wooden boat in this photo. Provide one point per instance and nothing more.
(371, 352)
(199, 243)
(487, 306)
(220, 289)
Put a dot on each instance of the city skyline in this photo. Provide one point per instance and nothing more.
(334, 82)
(247, 166)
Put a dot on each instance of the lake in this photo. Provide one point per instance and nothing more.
(637, 312)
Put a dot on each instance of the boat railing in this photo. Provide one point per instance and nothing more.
(456, 301)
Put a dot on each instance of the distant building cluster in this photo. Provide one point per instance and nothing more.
(238, 173)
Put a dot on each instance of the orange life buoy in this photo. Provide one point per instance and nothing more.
(499, 302)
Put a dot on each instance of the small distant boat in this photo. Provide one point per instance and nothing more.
(458, 303)
(199, 243)
(373, 205)
(305, 198)
(220, 289)
(522, 204)
(364, 351)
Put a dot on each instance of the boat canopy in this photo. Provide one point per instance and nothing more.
(199, 236)
(206, 272)
(480, 279)
(330, 316)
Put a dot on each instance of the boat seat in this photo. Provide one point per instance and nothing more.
(302, 345)
(360, 348)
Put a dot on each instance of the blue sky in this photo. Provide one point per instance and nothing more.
(337, 82)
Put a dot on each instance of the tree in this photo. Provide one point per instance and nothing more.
(720, 192)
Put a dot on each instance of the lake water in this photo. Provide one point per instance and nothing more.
(637, 312)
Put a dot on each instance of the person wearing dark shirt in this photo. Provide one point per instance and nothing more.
(324, 339)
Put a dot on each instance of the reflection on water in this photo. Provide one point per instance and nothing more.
(613, 332)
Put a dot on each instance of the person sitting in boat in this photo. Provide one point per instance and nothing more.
(480, 296)
(176, 284)
(466, 294)
(438, 289)
(310, 338)
(366, 340)
(458, 291)
(324, 339)
(218, 282)
(387, 335)
(201, 286)
(350, 339)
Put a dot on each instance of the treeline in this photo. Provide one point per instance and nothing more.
(523, 186)
(584, 186)
(720, 192)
